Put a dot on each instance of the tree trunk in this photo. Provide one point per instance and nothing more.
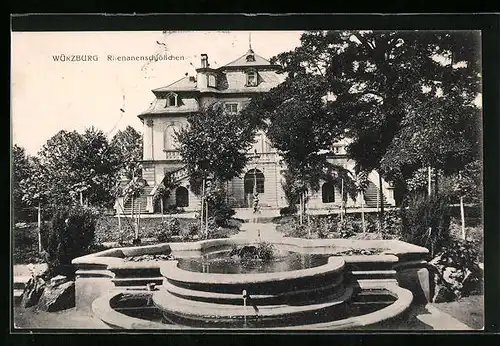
(81, 198)
(436, 181)
(429, 181)
(202, 205)
(381, 190)
(132, 211)
(300, 209)
(161, 208)
(462, 212)
(462, 217)
(39, 228)
(206, 221)
(363, 213)
(138, 223)
(119, 222)
(342, 200)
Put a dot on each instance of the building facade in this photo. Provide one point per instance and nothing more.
(233, 84)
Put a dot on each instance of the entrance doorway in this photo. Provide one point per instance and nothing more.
(181, 197)
(253, 181)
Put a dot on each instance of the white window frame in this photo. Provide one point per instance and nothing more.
(176, 98)
(255, 80)
(228, 106)
(212, 81)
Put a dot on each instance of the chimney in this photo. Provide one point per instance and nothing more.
(204, 61)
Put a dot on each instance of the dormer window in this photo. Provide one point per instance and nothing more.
(172, 100)
(251, 78)
(211, 81)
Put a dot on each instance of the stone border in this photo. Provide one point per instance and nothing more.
(102, 309)
(112, 257)
(171, 271)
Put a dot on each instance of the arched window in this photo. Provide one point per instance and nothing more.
(172, 100)
(251, 78)
(211, 81)
(181, 197)
(251, 177)
(170, 139)
(327, 193)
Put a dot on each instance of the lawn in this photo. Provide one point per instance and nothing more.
(468, 310)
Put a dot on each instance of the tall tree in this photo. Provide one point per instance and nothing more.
(375, 78)
(74, 163)
(299, 127)
(21, 169)
(216, 143)
(128, 144)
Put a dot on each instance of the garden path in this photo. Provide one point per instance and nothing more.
(251, 231)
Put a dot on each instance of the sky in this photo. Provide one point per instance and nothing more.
(49, 95)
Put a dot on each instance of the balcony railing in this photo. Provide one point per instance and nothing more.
(172, 155)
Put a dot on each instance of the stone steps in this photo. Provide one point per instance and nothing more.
(137, 282)
(202, 311)
(373, 274)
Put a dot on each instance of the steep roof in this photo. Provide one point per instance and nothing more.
(159, 106)
(183, 84)
(242, 61)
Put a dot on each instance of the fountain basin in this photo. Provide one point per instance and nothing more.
(367, 315)
(270, 291)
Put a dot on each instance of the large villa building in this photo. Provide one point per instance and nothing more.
(233, 84)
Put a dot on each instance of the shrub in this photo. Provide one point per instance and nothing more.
(345, 228)
(265, 251)
(458, 266)
(72, 235)
(426, 222)
(218, 208)
(293, 229)
(290, 210)
(173, 226)
(167, 229)
(163, 234)
(190, 231)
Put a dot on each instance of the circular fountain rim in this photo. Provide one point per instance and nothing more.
(102, 308)
(171, 271)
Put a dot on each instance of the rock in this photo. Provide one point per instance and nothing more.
(443, 295)
(59, 297)
(32, 292)
(57, 280)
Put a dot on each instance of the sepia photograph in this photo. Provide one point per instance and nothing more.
(247, 180)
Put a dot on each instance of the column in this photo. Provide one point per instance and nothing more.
(148, 140)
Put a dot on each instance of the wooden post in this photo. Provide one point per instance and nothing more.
(39, 228)
(81, 198)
